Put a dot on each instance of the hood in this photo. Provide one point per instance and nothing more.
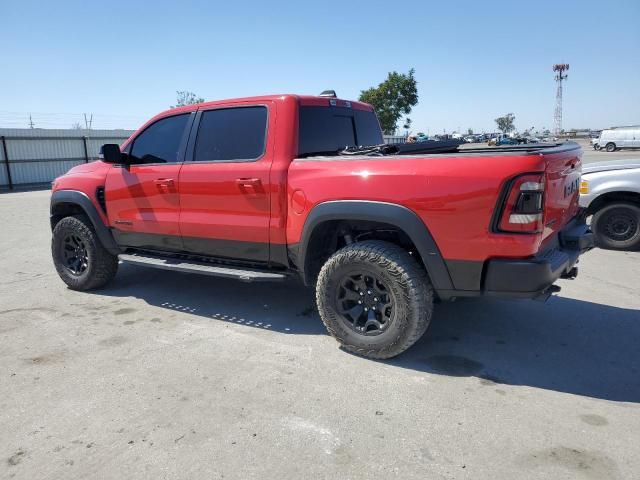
(96, 166)
(611, 165)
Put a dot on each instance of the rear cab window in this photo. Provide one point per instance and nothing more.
(327, 129)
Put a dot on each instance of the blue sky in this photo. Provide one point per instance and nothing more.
(124, 60)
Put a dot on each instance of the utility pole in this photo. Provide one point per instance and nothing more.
(560, 69)
(88, 122)
(31, 124)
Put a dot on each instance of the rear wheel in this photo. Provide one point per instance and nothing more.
(617, 226)
(80, 259)
(610, 147)
(374, 299)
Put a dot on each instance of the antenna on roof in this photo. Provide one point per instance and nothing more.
(328, 93)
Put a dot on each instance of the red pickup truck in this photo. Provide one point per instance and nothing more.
(265, 188)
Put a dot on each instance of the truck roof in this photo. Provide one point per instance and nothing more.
(307, 100)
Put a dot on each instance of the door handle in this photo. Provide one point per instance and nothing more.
(164, 182)
(248, 182)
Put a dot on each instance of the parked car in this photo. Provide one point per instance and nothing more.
(508, 141)
(616, 138)
(610, 191)
(503, 139)
(263, 189)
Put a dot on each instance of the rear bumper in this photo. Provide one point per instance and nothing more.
(534, 277)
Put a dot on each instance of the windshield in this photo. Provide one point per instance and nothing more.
(329, 129)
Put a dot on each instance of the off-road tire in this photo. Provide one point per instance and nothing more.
(406, 281)
(610, 147)
(604, 229)
(101, 265)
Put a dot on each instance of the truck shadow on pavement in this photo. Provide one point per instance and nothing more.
(286, 307)
(565, 345)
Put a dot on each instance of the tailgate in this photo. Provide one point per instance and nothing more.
(562, 181)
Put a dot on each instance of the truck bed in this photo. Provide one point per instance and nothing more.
(454, 150)
(457, 195)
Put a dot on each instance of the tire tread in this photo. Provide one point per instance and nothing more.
(405, 270)
(105, 265)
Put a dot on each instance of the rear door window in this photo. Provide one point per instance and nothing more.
(231, 134)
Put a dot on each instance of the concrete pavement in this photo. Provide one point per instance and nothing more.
(165, 375)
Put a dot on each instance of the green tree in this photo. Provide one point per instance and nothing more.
(392, 99)
(184, 97)
(505, 124)
(469, 131)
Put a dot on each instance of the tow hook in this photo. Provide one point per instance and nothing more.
(544, 295)
(571, 274)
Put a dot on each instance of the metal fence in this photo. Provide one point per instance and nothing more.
(30, 157)
(394, 138)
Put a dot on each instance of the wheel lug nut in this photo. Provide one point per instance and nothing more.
(375, 299)
(368, 292)
(361, 294)
(360, 302)
(373, 308)
(366, 309)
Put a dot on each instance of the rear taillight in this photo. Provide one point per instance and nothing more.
(523, 209)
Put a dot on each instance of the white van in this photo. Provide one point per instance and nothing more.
(615, 138)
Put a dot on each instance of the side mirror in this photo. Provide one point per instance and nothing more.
(110, 153)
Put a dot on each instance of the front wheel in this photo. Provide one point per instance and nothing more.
(617, 226)
(80, 259)
(374, 298)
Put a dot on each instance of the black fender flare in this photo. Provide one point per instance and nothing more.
(393, 214)
(81, 199)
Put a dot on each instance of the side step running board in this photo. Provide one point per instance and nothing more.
(178, 265)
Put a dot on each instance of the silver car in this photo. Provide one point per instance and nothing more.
(610, 191)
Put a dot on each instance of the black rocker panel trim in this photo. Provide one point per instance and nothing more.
(151, 241)
(231, 250)
(81, 199)
(390, 213)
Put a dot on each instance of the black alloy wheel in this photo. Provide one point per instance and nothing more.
(82, 262)
(74, 252)
(374, 298)
(364, 303)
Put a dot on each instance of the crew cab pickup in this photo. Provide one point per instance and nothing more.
(271, 187)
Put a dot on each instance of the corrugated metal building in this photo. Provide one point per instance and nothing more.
(37, 156)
